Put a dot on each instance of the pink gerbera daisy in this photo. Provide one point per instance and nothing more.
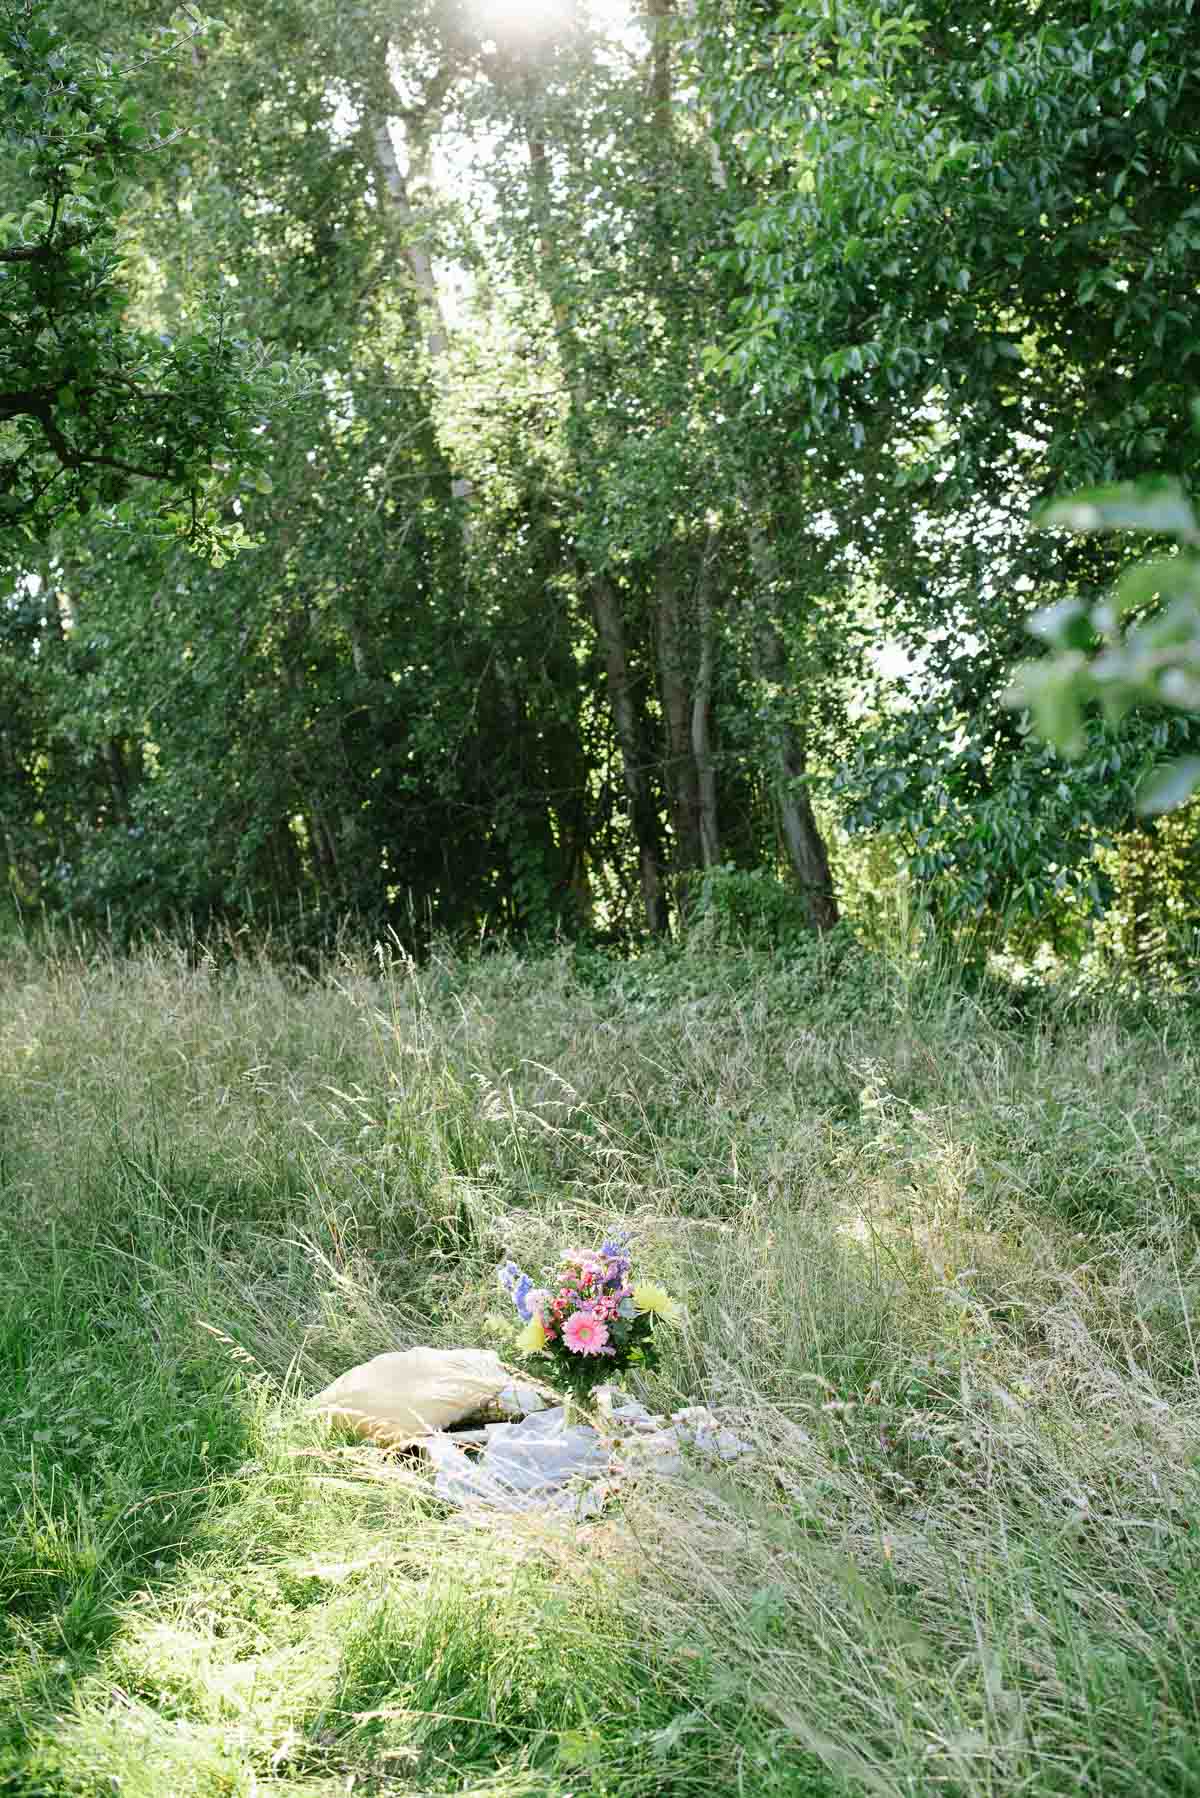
(585, 1334)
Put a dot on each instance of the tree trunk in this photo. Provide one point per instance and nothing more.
(420, 265)
(283, 856)
(802, 838)
(324, 849)
(574, 830)
(798, 826)
(610, 628)
(706, 776)
(683, 785)
(118, 779)
(629, 721)
(417, 123)
(659, 15)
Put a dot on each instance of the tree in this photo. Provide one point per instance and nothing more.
(968, 248)
(91, 405)
(554, 614)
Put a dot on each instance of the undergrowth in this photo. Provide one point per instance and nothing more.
(937, 1247)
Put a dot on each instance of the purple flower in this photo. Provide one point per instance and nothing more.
(520, 1298)
(617, 1261)
(518, 1286)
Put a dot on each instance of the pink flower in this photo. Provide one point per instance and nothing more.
(583, 1265)
(585, 1334)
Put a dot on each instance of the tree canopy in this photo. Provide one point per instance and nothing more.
(91, 402)
(632, 435)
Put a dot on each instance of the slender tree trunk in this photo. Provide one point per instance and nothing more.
(629, 721)
(685, 711)
(118, 776)
(798, 826)
(659, 14)
(706, 776)
(283, 856)
(416, 254)
(324, 848)
(683, 785)
(574, 830)
(801, 834)
(399, 188)
(321, 836)
(610, 628)
(357, 640)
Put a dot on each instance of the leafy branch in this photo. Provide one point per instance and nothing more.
(1139, 646)
(91, 407)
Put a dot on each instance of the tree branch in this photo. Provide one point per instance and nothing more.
(35, 403)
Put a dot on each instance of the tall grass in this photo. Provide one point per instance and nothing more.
(939, 1257)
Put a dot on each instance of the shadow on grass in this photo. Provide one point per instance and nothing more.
(122, 1421)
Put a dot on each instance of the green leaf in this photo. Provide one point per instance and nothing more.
(1052, 692)
(1165, 577)
(1066, 625)
(1160, 507)
(1166, 788)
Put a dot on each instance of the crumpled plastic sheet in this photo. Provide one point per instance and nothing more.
(540, 1463)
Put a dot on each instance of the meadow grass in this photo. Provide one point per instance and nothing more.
(939, 1257)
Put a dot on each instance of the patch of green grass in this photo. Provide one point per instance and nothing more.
(939, 1260)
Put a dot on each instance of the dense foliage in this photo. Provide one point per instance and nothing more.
(90, 404)
(633, 477)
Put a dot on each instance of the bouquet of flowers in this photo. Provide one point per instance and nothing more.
(594, 1319)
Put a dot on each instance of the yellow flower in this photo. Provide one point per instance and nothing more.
(532, 1337)
(654, 1298)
